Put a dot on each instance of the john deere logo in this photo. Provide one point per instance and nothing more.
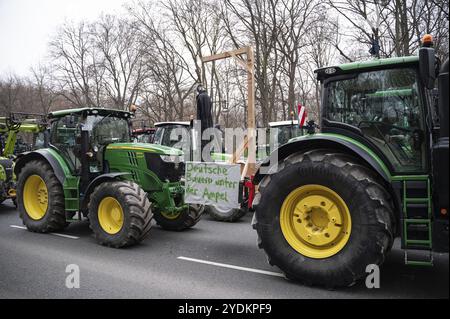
(330, 71)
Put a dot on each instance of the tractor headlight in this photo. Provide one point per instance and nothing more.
(176, 159)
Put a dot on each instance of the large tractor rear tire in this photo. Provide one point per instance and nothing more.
(120, 214)
(226, 215)
(180, 221)
(40, 198)
(323, 218)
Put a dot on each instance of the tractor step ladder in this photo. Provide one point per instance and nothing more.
(417, 224)
(71, 194)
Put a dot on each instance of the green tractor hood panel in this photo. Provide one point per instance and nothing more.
(149, 165)
(147, 148)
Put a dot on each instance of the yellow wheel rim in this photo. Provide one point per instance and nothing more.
(110, 215)
(315, 221)
(35, 197)
(170, 216)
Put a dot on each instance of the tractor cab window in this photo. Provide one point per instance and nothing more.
(107, 129)
(287, 132)
(103, 130)
(65, 136)
(144, 138)
(173, 136)
(39, 140)
(385, 105)
(157, 138)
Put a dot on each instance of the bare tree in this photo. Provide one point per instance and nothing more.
(168, 77)
(321, 52)
(122, 64)
(76, 59)
(365, 18)
(396, 25)
(152, 56)
(10, 90)
(198, 25)
(255, 23)
(43, 82)
(296, 19)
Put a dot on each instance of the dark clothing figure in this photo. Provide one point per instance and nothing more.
(204, 114)
(204, 110)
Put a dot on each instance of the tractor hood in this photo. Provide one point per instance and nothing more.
(147, 148)
(146, 162)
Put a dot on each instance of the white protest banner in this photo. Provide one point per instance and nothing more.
(213, 184)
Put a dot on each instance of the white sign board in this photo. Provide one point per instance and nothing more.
(213, 184)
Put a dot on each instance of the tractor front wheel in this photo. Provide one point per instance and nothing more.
(226, 215)
(323, 218)
(40, 198)
(185, 219)
(120, 214)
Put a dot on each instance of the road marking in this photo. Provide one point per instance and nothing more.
(258, 271)
(65, 236)
(54, 234)
(18, 227)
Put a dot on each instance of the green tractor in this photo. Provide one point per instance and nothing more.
(334, 201)
(89, 168)
(10, 127)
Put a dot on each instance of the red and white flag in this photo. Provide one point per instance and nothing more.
(302, 115)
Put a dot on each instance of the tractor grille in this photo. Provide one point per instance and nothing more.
(132, 159)
(165, 171)
(135, 176)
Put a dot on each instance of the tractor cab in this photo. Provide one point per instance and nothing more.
(81, 135)
(380, 104)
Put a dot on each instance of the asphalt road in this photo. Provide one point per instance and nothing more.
(34, 266)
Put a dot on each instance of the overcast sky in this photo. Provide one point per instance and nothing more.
(26, 27)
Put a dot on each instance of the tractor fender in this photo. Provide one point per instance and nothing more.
(322, 141)
(97, 181)
(57, 163)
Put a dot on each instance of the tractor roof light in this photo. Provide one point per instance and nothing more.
(427, 41)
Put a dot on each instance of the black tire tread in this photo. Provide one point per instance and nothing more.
(232, 218)
(57, 217)
(187, 219)
(384, 222)
(140, 214)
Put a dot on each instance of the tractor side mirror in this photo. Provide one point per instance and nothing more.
(427, 66)
(427, 62)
